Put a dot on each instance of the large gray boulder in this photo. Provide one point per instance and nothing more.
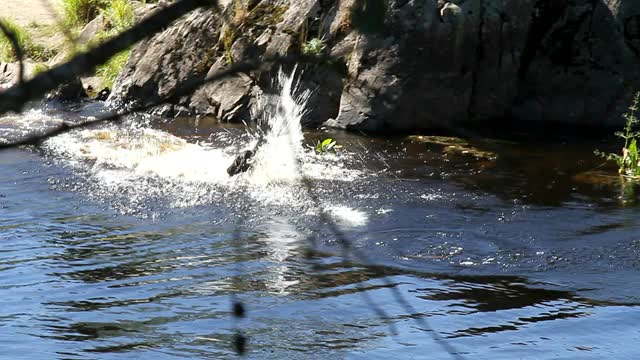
(10, 73)
(472, 61)
(404, 64)
(207, 42)
(434, 64)
(156, 67)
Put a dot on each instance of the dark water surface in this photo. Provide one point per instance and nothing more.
(501, 249)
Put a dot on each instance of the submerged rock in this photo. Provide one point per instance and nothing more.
(68, 92)
(454, 145)
(405, 65)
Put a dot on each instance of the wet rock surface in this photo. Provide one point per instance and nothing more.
(68, 92)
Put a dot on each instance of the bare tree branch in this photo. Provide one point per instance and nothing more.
(15, 97)
(187, 88)
(17, 49)
(59, 22)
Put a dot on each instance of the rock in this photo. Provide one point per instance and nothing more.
(71, 91)
(573, 71)
(224, 99)
(404, 64)
(9, 73)
(451, 13)
(270, 28)
(551, 61)
(91, 85)
(87, 35)
(458, 61)
(90, 32)
(170, 110)
(103, 95)
(157, 67)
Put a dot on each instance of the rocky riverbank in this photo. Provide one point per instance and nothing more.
(398, 64)
(406, 65)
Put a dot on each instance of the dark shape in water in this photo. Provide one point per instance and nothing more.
(241, 164)
(103, 94)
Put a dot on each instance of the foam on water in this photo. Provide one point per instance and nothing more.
(145, 162)
(25, 124)
(114, 153)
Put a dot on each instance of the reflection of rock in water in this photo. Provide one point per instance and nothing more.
(596, 178)
(454, 145)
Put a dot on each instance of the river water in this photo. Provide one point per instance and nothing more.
(130, 241)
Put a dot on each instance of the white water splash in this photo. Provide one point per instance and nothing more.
(348, 216)
(25, 124)
(278, 158)
(120, 153)
(130, 158)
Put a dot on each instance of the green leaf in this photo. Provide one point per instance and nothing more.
(330, 146)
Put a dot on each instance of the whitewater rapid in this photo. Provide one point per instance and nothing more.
(133, 163)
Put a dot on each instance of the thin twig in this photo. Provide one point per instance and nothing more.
(17, 49)
(17, 96)
(187, 88)
(60, 23)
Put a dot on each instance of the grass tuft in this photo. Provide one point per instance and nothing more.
(120, 15)
(314, 47)
(109, 71)
(80, 12)
(25, 41)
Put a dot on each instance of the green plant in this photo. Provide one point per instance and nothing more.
(109, 71)
(120, 15)
(228, 37)
(80, 12)
(324, 146)
(26, 43)
(629, 160)
(39, 68)
(314, 47)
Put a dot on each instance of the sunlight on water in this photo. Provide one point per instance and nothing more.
(25, 124)
(143, 162)
(141, 152)
(348, 216)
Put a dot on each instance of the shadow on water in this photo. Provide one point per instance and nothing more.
(545, 172)
(509, 249)
(168, 291)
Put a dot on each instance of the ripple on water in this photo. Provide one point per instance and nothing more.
(79, 280)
